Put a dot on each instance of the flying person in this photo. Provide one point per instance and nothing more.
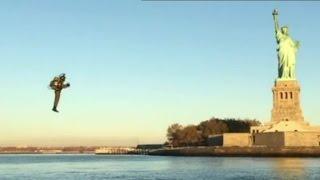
(57, 84)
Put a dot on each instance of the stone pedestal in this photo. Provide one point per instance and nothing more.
(286, 101)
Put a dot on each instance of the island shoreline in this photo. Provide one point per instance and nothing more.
(239, 151)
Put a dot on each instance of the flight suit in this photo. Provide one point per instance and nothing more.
(57, 86)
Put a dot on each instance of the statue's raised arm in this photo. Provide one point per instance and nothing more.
(275, 14)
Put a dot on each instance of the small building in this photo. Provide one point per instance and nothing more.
(215, 140)
(287, 139)
(230, 139)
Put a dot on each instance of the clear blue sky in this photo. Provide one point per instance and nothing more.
(136, 67)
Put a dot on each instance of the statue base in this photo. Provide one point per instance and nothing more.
(286, 101)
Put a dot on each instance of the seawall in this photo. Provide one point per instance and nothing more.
(239, 151)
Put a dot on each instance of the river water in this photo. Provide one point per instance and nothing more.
(155, 167)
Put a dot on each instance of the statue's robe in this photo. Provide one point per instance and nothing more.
(287, 50)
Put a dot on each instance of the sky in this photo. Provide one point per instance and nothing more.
(135, 67)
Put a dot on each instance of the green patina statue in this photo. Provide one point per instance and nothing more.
(287, 51)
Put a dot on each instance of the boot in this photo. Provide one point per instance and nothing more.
(55, 109)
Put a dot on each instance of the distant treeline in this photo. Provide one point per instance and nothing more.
(197, 135)
(36, 149)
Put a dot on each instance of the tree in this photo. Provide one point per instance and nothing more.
(190, 136)
(173, 132)
(211, 127)
(240, 125)
(178, 135)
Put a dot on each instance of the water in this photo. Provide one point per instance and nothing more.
(155, 167)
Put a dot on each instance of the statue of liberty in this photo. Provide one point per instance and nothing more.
(287, 51)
